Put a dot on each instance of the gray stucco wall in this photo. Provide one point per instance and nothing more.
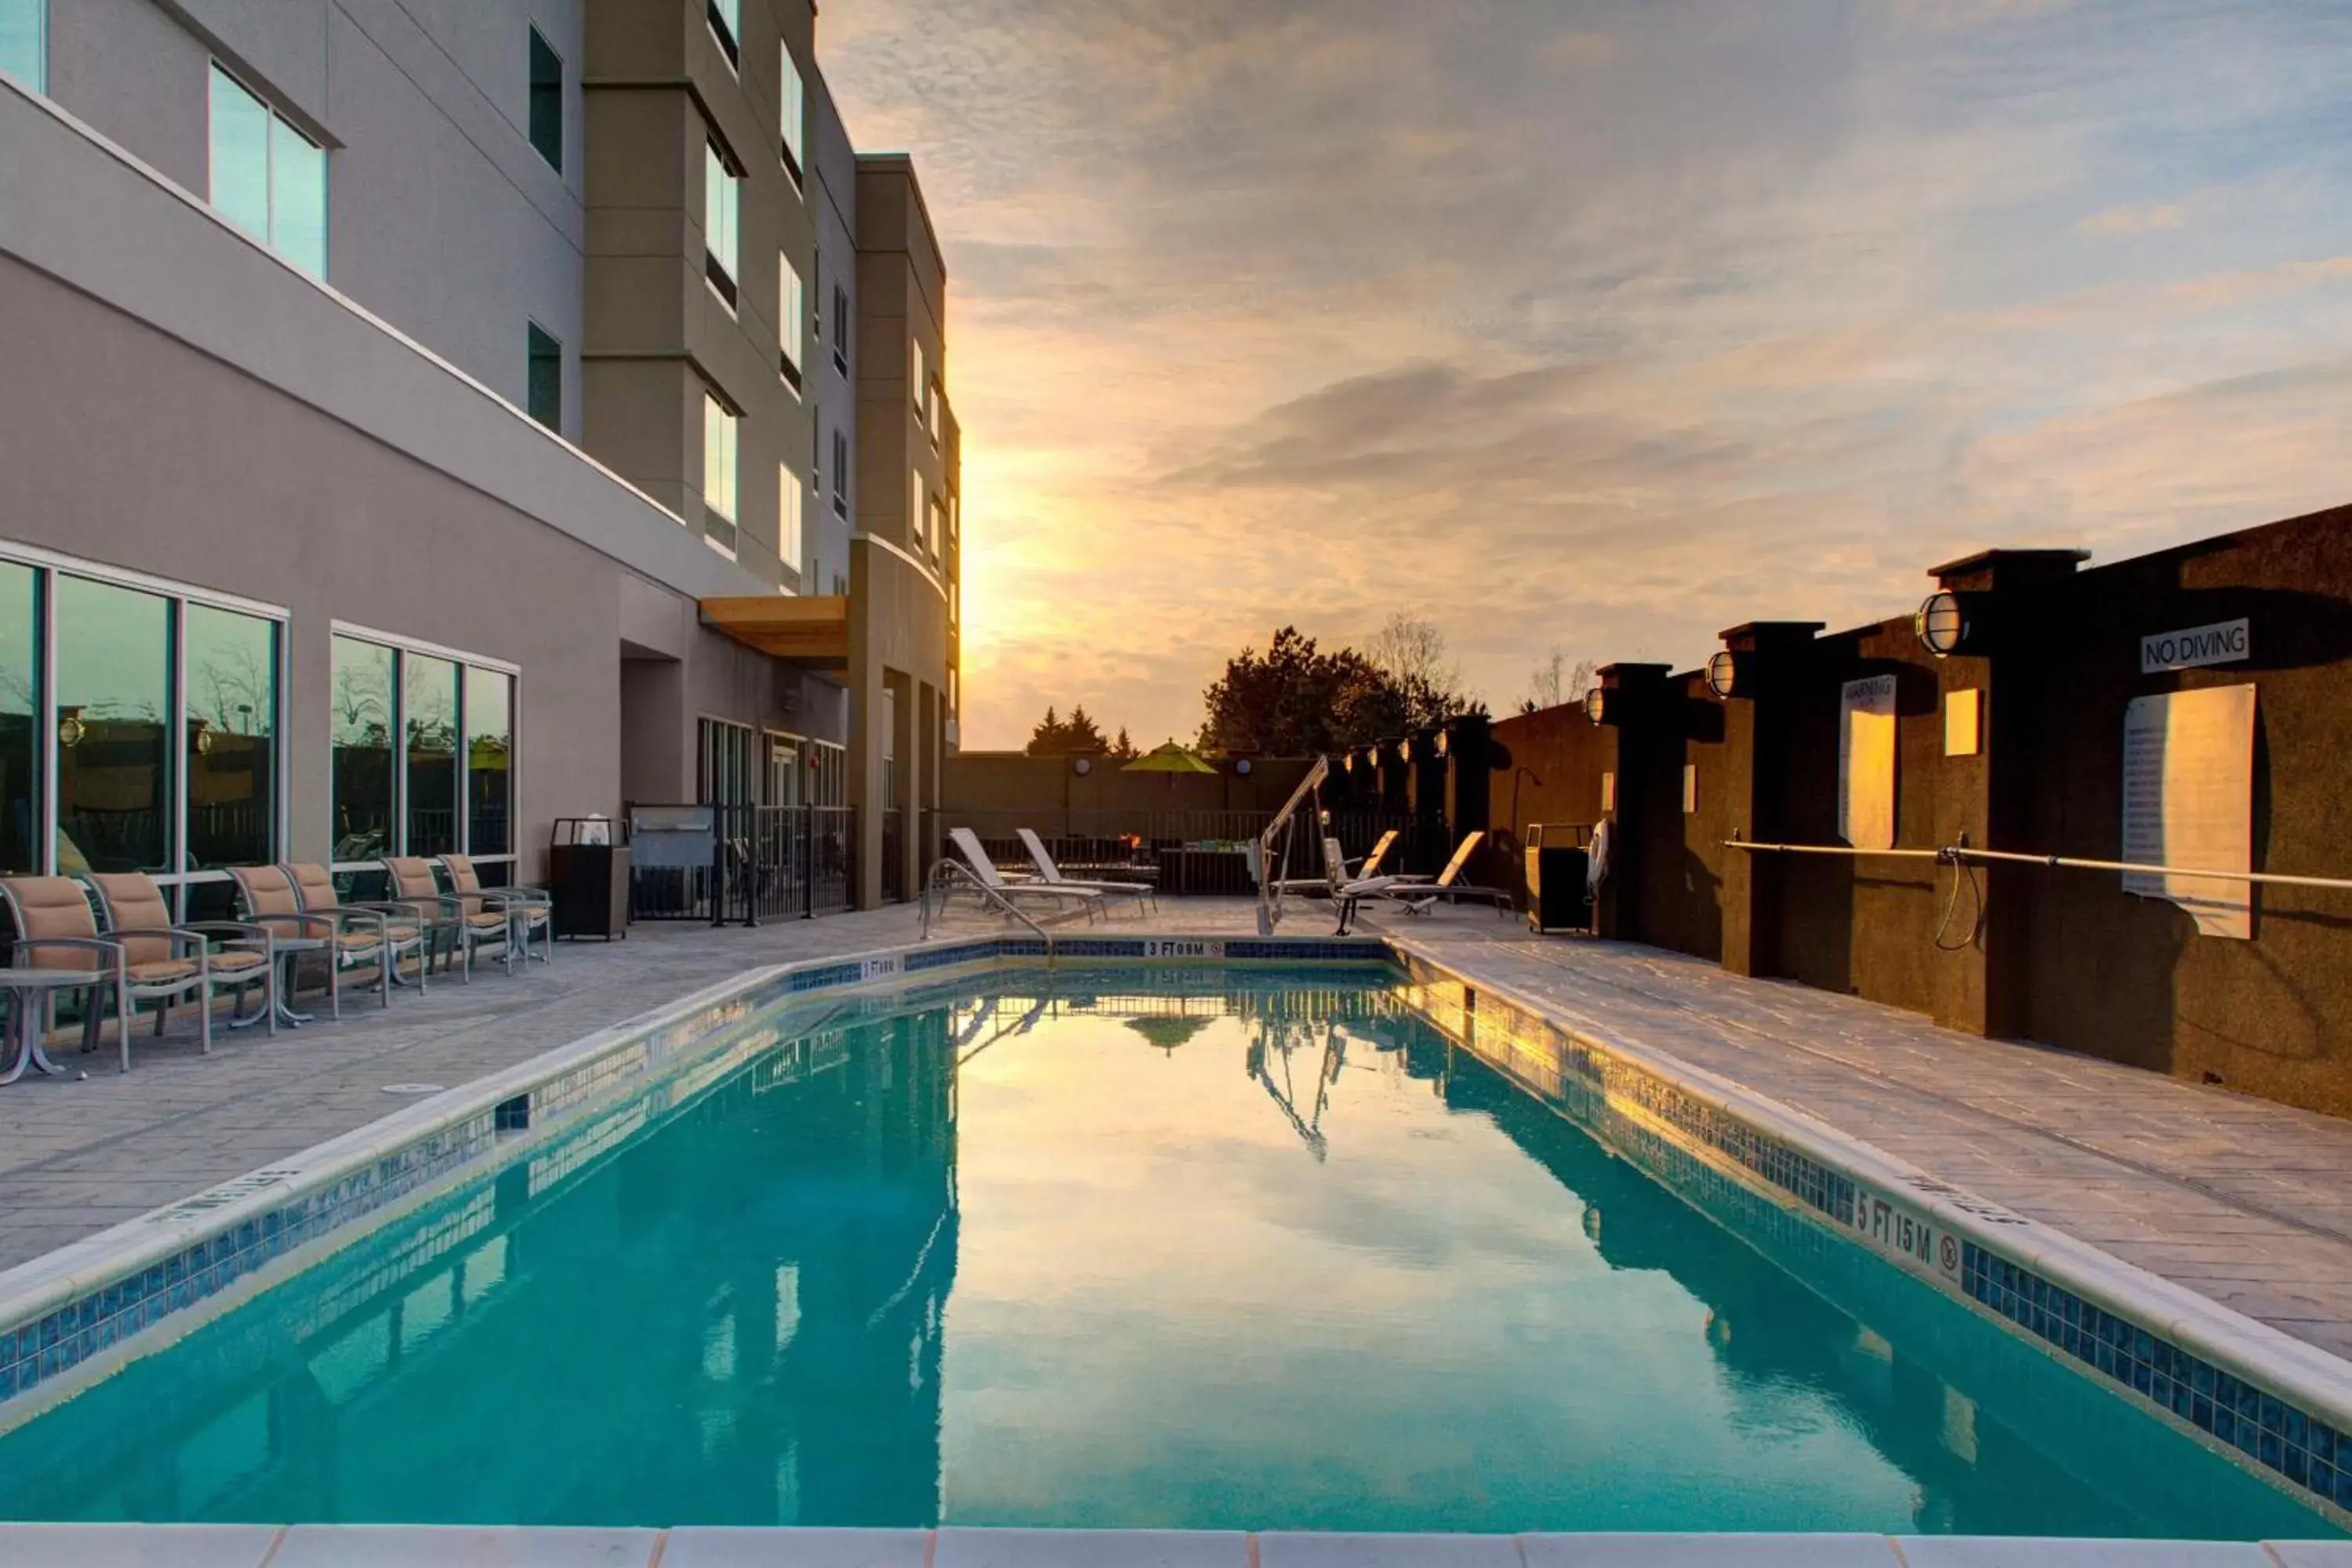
(75, 207)
(441, 216)
(243, 489)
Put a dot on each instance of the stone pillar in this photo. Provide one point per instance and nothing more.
(1759, 675)
(1632, 698)
(2001, 602)
(1467, 789)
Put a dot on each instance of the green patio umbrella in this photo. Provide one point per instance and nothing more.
(1171, 758)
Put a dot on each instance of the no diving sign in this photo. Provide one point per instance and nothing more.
(2224, 642)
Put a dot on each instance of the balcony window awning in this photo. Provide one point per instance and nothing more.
(812, 632)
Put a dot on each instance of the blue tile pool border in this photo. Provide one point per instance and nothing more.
(2271, 1404)
(77, 1309)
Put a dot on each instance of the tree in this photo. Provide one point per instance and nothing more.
(1294, 700)
(1124, 749)
(1553, 682)
(1057, 737)
(1410, 653)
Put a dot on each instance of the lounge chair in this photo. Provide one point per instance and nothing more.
(1145, 895)
(1373, 861)
(975, 858)
(1417, 893)
(346, 939)
(395, 931)
(528, 910)
(460, 924)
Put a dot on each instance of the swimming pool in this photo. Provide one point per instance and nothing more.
(1115, 1248)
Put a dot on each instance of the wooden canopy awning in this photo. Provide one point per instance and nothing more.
(806, 631)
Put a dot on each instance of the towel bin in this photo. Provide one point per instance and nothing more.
(1559, 892)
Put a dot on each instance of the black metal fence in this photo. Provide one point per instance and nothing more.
(1194, 851)
(767, 863)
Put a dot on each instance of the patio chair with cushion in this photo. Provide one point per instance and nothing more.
(160, 953)
(371, 932)
(345, 938)
(459, 925)
(528, 910)
(56, 930)
(1086, 900)
(1145, 894)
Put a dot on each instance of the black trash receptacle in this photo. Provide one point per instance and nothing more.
(588, 878)
(1559, 888)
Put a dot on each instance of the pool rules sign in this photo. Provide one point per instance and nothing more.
(1866, 763)
(2188, 800)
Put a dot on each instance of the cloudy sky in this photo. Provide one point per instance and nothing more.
(1600, 324)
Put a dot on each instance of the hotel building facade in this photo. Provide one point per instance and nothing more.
(420, 424)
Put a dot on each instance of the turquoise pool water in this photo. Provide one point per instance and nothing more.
(1085, 1251)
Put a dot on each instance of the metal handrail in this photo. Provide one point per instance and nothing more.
(1956, 852)
(1269, 879)
(957, 871)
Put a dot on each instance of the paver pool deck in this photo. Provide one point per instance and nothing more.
(2247, 1203)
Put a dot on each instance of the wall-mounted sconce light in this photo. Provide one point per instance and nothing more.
(1347, 762)
(1083, 766)
(200, 736)
(1946, 625)
(71, 729)
(1242, 767)
(1596, 705)
(1444, 744)
(1723, 674)
(1404, 750)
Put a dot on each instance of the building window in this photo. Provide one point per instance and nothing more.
(362, 736)
(791, 310)
(231, 702)
(428, 687)
(938, 524)
(20, 719)
(544, 392)
(436, 794)
(267, 178)
(722, 220)
(915, 504)
(931, 400)
(725, 775)
(24, 42)
(114, 704)
(921, 379)
(788, 516)
(795, 114)
(546, 101)
(840, 474)
(155, 715)
(726, 27)
(841, 329)
(489, 760)
(719, 438)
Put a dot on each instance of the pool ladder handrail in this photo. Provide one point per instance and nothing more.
(956, 872)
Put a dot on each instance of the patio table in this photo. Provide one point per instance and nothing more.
(27, 987)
